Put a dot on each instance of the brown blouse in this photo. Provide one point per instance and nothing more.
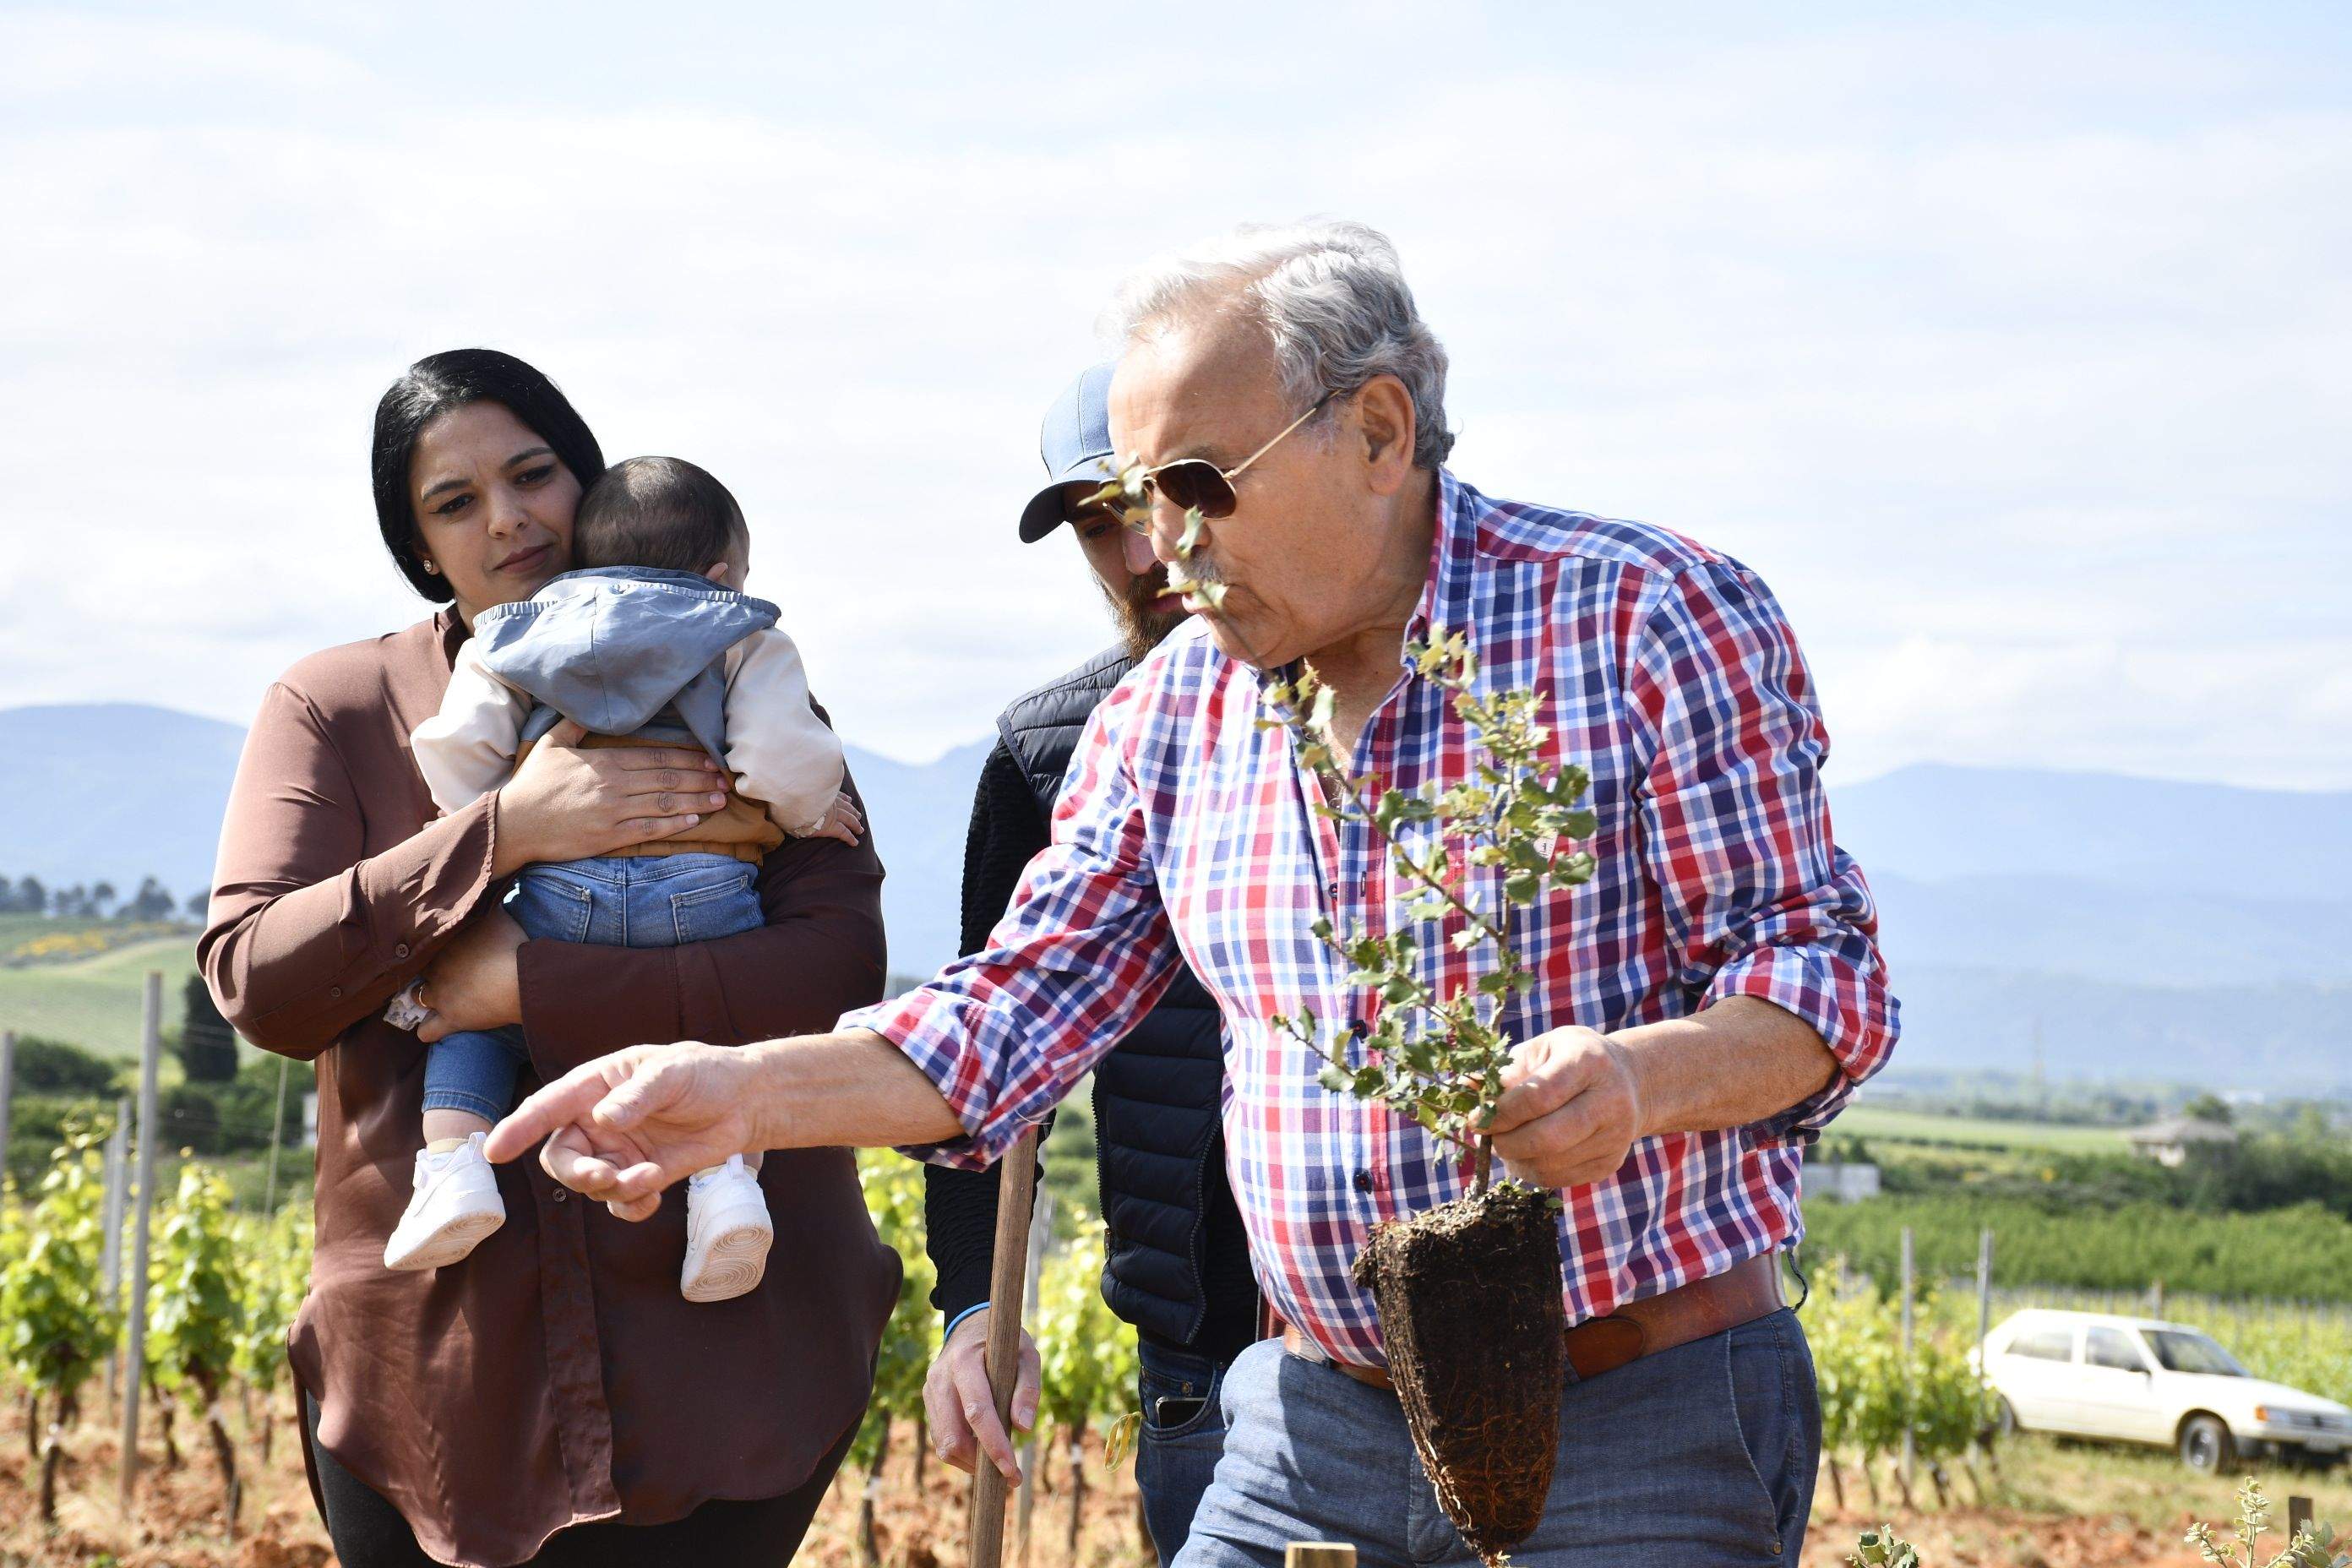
(556, 1376)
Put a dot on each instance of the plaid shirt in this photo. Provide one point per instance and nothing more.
(1671, 675)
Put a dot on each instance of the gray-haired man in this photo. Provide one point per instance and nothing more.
(1704, 1006)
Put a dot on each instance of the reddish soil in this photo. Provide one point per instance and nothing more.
(2005, 1538)
(178, 1521)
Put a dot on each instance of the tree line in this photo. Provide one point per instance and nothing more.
(219, 1108)
(99, 901)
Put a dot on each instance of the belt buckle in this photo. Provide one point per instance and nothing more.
(1604, 1344)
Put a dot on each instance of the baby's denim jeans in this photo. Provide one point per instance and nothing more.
(619, 900)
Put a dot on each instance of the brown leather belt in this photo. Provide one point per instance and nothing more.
(1720, 1302)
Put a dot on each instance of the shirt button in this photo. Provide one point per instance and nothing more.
(1363, 1181)
(1358, 1029)
(561, 1193)
(401, 952)
(335, 990)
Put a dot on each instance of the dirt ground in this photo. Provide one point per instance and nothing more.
(2055, 1507)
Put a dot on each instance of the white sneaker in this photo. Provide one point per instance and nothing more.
(727, 1233)
(456, 1205)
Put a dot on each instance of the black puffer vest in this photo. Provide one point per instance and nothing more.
(1156, 1119)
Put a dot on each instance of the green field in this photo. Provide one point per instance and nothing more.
(2304, 1253)
(96, 1002)
(1876, 1122)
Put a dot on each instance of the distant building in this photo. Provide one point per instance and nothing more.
(2167, 1143)
(1847, 1182)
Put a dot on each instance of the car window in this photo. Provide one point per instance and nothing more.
(2044, 1344)
(2113, 1347)
(2178, 1350)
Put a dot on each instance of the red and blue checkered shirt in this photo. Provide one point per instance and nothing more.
(1671, 675)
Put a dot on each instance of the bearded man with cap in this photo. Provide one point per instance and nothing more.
(1177, 1262)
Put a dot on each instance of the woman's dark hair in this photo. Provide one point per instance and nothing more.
(430, 388)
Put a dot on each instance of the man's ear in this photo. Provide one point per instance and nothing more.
(1384, 419)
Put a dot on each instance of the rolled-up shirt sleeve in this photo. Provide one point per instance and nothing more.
(1084, 950)
(1759, 901)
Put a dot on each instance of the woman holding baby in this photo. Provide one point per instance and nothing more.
(544, 1387)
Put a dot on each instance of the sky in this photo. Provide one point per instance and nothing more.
(2011, 344)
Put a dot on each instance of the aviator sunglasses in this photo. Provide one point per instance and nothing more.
(1197, 484)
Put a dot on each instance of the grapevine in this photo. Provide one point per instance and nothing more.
(1087, 1356)
(195, 1315)
(59, 1326)
(894, 1201)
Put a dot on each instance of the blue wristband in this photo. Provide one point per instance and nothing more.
(958, 1318)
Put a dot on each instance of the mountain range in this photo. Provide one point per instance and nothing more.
(2102, 925)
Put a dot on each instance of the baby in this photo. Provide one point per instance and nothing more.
(651, 641)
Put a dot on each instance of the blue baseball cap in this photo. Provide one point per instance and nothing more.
(1076, 444)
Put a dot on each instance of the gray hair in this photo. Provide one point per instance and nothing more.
(1332, 296)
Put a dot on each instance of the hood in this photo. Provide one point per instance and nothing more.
(609, 648)
(2284, 1396)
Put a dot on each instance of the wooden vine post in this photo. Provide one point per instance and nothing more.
(1006, 1288)
(134, 1358)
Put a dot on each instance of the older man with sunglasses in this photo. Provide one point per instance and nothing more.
(1704, 1006)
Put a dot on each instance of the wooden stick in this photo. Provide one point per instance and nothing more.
(134, 1359)
(1016, 1192)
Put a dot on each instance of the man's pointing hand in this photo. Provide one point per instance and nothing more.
(624, 1127)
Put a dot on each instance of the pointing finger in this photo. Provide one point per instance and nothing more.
(568, 1099)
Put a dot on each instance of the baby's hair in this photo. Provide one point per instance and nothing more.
(656, 511)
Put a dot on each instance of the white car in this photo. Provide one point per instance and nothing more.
(2089, 1374)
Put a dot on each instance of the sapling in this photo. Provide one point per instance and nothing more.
(1477, 1370)
(2314, 1546)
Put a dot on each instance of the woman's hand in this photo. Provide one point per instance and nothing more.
(961, 1408)
(622, 1128)
(568, 803)
(475, 982)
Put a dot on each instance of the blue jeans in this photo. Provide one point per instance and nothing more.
(615, 900)
(1177, 1451)
(1701, 1455)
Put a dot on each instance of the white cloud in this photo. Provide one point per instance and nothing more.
(2031, 412)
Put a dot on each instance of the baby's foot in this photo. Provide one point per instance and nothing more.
(727, 1233)
(456, 1204)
